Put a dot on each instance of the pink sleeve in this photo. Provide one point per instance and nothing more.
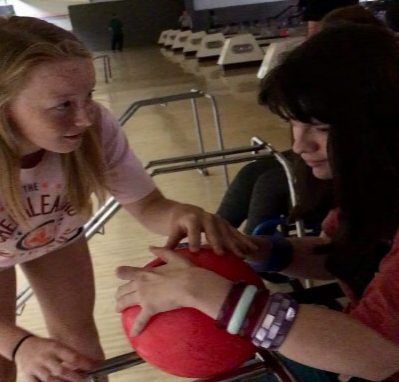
(127, 179)
(379, 306)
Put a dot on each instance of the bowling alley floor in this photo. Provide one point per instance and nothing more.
(157, 132)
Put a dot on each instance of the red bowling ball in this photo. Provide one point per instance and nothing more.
(185, 342)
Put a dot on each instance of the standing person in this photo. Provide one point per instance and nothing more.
(117, 37)
(344, 118)
(185, 21)
(57, 150)
(212, 20)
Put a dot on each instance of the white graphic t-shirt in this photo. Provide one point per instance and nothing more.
(53, 222)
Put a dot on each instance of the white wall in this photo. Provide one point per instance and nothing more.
(43, 8)
(54, 11)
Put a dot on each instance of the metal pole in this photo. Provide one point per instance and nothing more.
(291, 184)
(113, 365)
(197, 128)
(105, 69)
(218, 131)
(106, 65)
(105, 213)
(252, 368)
(158, 101)
(211, 163)
(209, 154)
(109, 66)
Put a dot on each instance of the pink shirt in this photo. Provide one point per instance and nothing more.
(53, 221)
(378, 307)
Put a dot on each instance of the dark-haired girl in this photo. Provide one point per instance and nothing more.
(340, 93)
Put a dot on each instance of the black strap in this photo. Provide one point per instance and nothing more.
(18, 345)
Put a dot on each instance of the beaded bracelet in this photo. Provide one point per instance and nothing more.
(279, 258)
(275, 324)
(229, 304)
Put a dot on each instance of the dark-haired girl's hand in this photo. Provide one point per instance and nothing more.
(176, 284)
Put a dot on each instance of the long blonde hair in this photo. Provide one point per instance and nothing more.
(25, 43)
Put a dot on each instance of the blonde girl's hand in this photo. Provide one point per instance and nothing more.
(46, 360)
(176, 284)
(191, 221)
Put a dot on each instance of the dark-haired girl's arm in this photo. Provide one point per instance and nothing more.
(307, 262)
(296, 257)
(319, 337)
(333, 341)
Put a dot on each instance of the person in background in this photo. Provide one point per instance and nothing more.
(185, 21)
(115, 27)
(212, 20)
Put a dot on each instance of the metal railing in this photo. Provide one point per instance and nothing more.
(251, 369)
(192, 96)
(106, 66)
(300, 229)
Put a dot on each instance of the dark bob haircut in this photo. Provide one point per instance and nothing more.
(348, 77)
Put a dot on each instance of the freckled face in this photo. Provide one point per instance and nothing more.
(55, 107)
(310, 142)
